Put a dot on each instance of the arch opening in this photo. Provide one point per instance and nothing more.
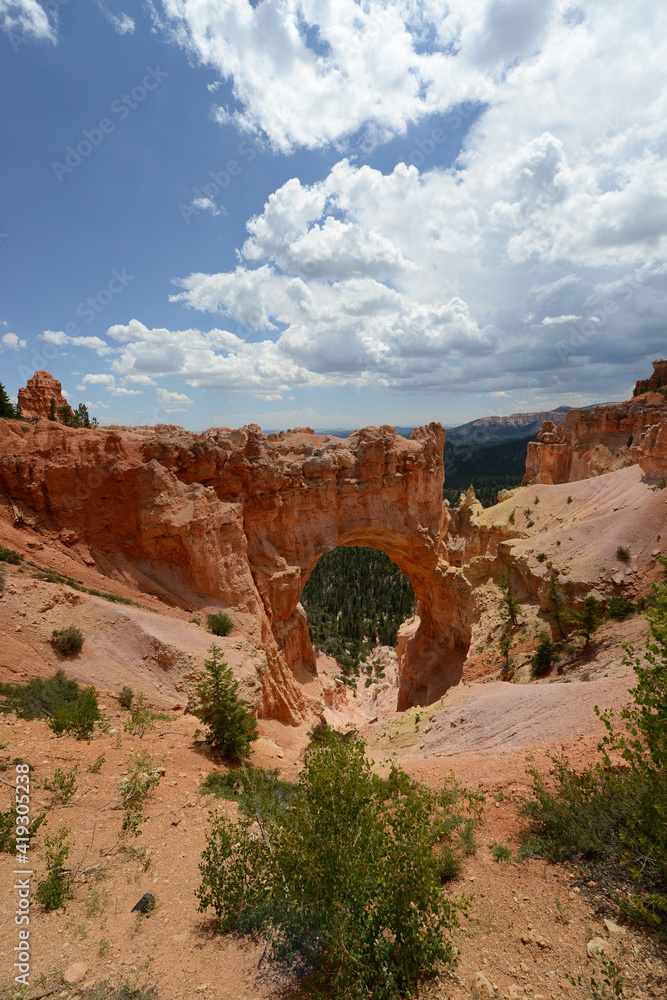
(355, 600)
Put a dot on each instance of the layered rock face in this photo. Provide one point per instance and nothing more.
(589, 443)
(238, 519)
(35, 398)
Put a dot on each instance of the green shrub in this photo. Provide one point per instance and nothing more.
(623, 553)
(143, 776)
(67, 641)
(501, 853)
(59, 882)
(618, 813)
(619, 608)
(63, 785)
(219, 624)
(348, 886)
(141, 719)
(80, 718)
(541, 556)
(40, 697)
(96, 766)
(569, 499)
(544, 657)
(9, 556)
(510, 609)
(231, 727)
(125, 697)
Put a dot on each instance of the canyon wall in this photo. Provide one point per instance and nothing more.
(592, 442)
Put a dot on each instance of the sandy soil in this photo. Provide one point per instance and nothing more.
(528, 925)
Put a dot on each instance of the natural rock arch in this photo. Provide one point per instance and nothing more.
(238, 519)
(375, 489)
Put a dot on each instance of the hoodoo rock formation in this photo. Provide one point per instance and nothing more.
(237, 519)
(589, 443)
(35, 398)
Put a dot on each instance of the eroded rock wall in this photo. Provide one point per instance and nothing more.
(590, 443)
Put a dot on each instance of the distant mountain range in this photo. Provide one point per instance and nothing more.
(486, 430)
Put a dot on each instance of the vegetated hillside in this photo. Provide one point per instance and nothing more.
(488, 468)
(494, 430)
(355, 599)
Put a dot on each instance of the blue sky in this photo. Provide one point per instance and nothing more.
(303, 212)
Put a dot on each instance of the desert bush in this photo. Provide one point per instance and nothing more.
(541, 556)
(623, 553)
(126, 697)
(501, 853)
(67, 641)
(544, 657)
(9, 556)
(96, 766)
(347, 886)
(619, 608)
(58, 885)
(617, 811)
(80, 718)
(141, 718)
(219, 624)
(231, 727)
(63, 785)
(40, 697)
(143, 776)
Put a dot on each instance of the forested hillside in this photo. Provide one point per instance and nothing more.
(488, 467)
(355, 599)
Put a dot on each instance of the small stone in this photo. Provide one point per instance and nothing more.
(591, 884)
(75, 973)
(480, 986)
(524, 967)
(597, 945)
(528, 937)
(614, 928)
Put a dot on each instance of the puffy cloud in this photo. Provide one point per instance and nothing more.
(12, 341)
(172, 398)
(25, 18)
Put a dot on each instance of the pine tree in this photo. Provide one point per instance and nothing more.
(52, 408)
(587, 621)
(511, 608)
(231, 727)
(558, 600)
(7, 411)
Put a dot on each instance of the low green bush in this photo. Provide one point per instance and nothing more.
(501, 853)
(617, 811)
(619, 608)
(623, 553)
(80, 718)
(126, 697)
(346, 885)
(67, 641)
(58, 885)
(9, 556)
(63, 785)
(219, 624)
(40, 697)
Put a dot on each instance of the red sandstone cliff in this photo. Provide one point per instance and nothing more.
(607, 438)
